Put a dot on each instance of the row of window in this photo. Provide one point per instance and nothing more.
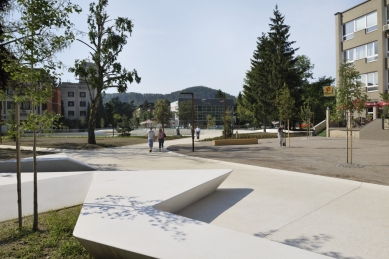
(71, 103)
(71, 94)
(368, 51)
(368, 22)
(82, 113)
(370, 81)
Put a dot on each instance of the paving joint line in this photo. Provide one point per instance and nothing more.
(313, 211)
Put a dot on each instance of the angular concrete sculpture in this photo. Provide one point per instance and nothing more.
(59, 186)
(129, 215)
(49, 163)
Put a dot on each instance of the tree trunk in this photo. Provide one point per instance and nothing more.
(264, 124)
(92, 124)
(18, 167)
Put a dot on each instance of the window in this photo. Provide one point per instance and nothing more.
(70, 113)
(368, 51)
(371, 22)
(82, 104)
(83, 113)
(10, 105)
(70, 94)
(360, 24)
(362, 79)
(348, 30)
(387, 15)
(368, 22)
(372, 51)
(370, 81)
(82, 94)
(70, 103)
(361, 52)
(25, 105)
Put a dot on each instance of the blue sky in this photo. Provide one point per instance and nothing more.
(177, 44)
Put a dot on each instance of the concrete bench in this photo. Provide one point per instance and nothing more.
(243, 141)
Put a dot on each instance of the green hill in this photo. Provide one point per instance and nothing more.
(200, 92)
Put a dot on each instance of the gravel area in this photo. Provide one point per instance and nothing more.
(316, 155)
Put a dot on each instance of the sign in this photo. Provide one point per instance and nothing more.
(329, 91)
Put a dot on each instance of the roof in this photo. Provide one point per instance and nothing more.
(353, 7)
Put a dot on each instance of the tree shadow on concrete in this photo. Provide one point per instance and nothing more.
(314, 243)
(213, 205)
(264, 234)
(115, 207)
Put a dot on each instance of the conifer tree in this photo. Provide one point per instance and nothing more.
(273, 65)
(283, 60)
(258, 94)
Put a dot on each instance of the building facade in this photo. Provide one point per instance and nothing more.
(75, 99)
(52, 105)
(362, 38)
(202, 108)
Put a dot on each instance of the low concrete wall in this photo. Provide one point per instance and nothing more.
(319, 127)
(224, 142)
(374, 131)
(342, 133)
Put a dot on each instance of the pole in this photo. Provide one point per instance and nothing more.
(18, 166)
(328, 122)
(192, 123)
(347, 133)
(225, 128)
(351, 139)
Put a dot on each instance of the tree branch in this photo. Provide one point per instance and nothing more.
(87, 45)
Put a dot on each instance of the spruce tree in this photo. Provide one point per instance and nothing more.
(273, 65)
(283, 60)
(258, 94)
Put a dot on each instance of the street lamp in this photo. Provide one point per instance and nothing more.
(192, 129)
(224, 101)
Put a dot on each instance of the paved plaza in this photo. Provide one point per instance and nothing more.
(340, 218)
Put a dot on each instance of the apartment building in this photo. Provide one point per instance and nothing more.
(362, 38)
(52, 105)
(75, 99)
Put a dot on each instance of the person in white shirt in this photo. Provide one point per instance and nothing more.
(198, 132)
(150, 136)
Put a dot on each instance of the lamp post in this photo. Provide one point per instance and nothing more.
(224, 115)
(192, 129)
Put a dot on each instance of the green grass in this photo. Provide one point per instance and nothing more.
(323, 133)
(53, 240)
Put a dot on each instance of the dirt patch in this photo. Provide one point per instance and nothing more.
(316, 155)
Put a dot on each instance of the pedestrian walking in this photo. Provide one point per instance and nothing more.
(280, 133)
(150, 137)
(198, 132)
(161, 139)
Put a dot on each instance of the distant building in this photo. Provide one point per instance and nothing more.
(202, 108)
(75, 99)
(52, 105)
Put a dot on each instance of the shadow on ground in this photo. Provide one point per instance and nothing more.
(210, 207)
